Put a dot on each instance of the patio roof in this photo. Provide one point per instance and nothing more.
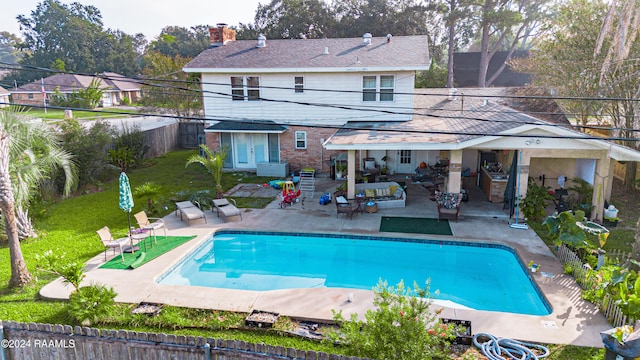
(246, 126)
(468, 123)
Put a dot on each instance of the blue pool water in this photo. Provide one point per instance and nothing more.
(478, 276)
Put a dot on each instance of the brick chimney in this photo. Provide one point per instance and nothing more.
(221, 35)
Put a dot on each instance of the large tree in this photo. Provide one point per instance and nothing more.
(507, 25)
(290, 19)
(564, 62)
(380, 17)
(180, 41)
(168, 87)
(29, 152)
(9, 44)
(72, 35)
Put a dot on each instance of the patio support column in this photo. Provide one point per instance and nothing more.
(524, 173)
(601, 187)
(455, 171)
(351, 174)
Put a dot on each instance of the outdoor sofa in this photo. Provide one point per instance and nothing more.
(386, 194)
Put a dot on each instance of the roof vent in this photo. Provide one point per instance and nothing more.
(262, 41)
(366, 39)
(452, 93)
(326, 50)
(389, 36)
(485, 102)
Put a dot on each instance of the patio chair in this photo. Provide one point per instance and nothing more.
(448, 205)
(145, 224)
(109, 242)
(346, 207)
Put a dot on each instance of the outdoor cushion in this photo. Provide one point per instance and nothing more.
(447, 200)
(392, 189)
(369, 193)
(341, 200)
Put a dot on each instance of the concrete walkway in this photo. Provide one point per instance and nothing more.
(573, 321)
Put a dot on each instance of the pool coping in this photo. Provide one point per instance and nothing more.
(572, 321)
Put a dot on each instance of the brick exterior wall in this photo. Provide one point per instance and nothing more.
(23, 99)
(313, 156)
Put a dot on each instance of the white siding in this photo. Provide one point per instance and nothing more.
(219, 105)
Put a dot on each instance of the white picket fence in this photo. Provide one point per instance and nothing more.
(607, 306)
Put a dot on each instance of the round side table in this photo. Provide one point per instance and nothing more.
(371, 208)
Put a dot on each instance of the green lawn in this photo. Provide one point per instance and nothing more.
(69, 227)
(100, 113)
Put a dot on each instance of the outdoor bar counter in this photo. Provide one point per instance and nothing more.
(494, 185)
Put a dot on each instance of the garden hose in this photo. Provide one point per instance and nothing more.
(493, 348)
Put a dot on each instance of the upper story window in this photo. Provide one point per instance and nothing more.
(378, 88)
(298, 83)
(245, 88)
(301, 139)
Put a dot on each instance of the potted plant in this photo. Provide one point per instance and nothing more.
(341, 169)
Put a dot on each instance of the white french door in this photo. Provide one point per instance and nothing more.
(249, 149)
(405, 162)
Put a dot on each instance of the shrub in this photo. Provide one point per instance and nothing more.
(89, 147)
(90, 304)
(87, 304)
(534, 204)
(401, 327)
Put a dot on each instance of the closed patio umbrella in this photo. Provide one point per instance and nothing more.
(126, 200)
(510, 190)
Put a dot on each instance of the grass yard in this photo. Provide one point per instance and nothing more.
(58, 114)
(69, 227)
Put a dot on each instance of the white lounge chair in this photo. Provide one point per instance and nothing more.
(109, 242)
(145, 224)
(190, 211)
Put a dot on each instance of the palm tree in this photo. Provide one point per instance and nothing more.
(213, 162)
(29, 153)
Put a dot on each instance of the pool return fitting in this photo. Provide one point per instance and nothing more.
(493, 347)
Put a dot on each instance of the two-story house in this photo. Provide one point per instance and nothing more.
(302, 101)
(280, 100)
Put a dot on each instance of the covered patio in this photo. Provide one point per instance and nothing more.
(463, 130)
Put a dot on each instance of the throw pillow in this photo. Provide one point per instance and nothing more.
(369, 193)
(392, 189)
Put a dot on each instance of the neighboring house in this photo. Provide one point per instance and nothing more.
(466, 68)
(117, 88)
(4, 97)
(264, 98)
(302, 101)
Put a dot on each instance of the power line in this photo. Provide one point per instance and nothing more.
(341, 127)
(142, 80)
(367, 108)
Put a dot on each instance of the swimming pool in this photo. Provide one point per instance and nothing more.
(478, 276)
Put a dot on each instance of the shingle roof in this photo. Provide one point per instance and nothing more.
(408, 52)
(261, 126)
(439, 121)
(70, 82)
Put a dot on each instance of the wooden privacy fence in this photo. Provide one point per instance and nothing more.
(21, 341)
(607, 306)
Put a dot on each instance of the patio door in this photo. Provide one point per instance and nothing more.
(249, 149)
(405, 162)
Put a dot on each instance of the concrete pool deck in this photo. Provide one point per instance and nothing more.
(573, 321)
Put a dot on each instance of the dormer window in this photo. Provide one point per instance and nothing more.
(383, 85)
(245, 88)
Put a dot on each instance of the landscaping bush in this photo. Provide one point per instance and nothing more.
(401, 327)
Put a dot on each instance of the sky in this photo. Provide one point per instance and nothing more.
(145, 16)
